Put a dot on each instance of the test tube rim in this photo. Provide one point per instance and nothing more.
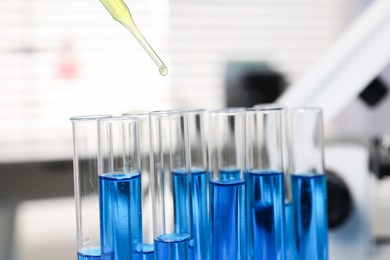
(137, 115)
(306, 109)
(89, 117)
(118, 119)
(179, 111)
(228, 111)
(268, 106)
(265, 110)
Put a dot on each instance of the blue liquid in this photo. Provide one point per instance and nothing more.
(263, 231)
(228, 221)
(92, 253)
(181, 190)
(265, 190)
(309, 203)
(290, 245)
(144, 252)
(174, 246)
(120, 215)
(200, 223)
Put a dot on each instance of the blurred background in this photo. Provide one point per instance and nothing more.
(60, 59)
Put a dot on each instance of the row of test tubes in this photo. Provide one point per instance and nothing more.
(156, 186)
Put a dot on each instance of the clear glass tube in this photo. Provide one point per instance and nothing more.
(227, 184)
(308, 183)
(199, 183)
(147, 213)
(284, 133)
(264, 183)
(85, 162)
(120, 188)
(171, 176)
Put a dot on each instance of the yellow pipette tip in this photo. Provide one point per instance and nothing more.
(163, 70)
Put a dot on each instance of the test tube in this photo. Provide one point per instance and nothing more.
(147, 252)
(227, 183)
(85, 162)
(171, 176)
(308, 183)
(119, 188)
(264, 183)
(199, 183)
(289, 245)
(285, 149)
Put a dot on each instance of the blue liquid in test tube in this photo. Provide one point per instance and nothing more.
(146, 252)
(199, 205)
(199, 212)
(263, 230)
(176, 246)
(290, 245)
(181, 196)
(89, 254)
(265, 202)
(120, 205)
(308, 183)
(265, 183)
(309, 201)
(228, 216)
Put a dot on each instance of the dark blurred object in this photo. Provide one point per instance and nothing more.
(339, 200)
(380, 156)
(252, 83)
(36, 180)
(374, 92)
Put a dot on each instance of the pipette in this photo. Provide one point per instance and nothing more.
(121, 13)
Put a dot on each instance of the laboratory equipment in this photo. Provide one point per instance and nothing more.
(265, 183)
(119, 188)
(85, 163)
(199, 183)
(308, 183)
(121, 13)
(147, 252)
(345, 65)
(227, 183)
(171, 177)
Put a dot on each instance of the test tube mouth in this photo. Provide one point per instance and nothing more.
(306, 109)
(179, 111)
(118, 119)
(267, 106)
(137, 114)
(229, 111)
(89, 117)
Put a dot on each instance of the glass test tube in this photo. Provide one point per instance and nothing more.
(199, 183)
(227, 184)
(289, 245)
(171, 176)
(119, 188)
(85, 162)
(286, 161)
(308, 183)
(264, 183)
(147, 252)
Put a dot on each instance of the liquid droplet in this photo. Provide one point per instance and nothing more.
(163, 70)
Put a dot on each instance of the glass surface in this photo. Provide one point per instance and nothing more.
(308, 183)
(85, 163)
(265, 182)
(171, 180)
(119, 188)
(227, 184)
